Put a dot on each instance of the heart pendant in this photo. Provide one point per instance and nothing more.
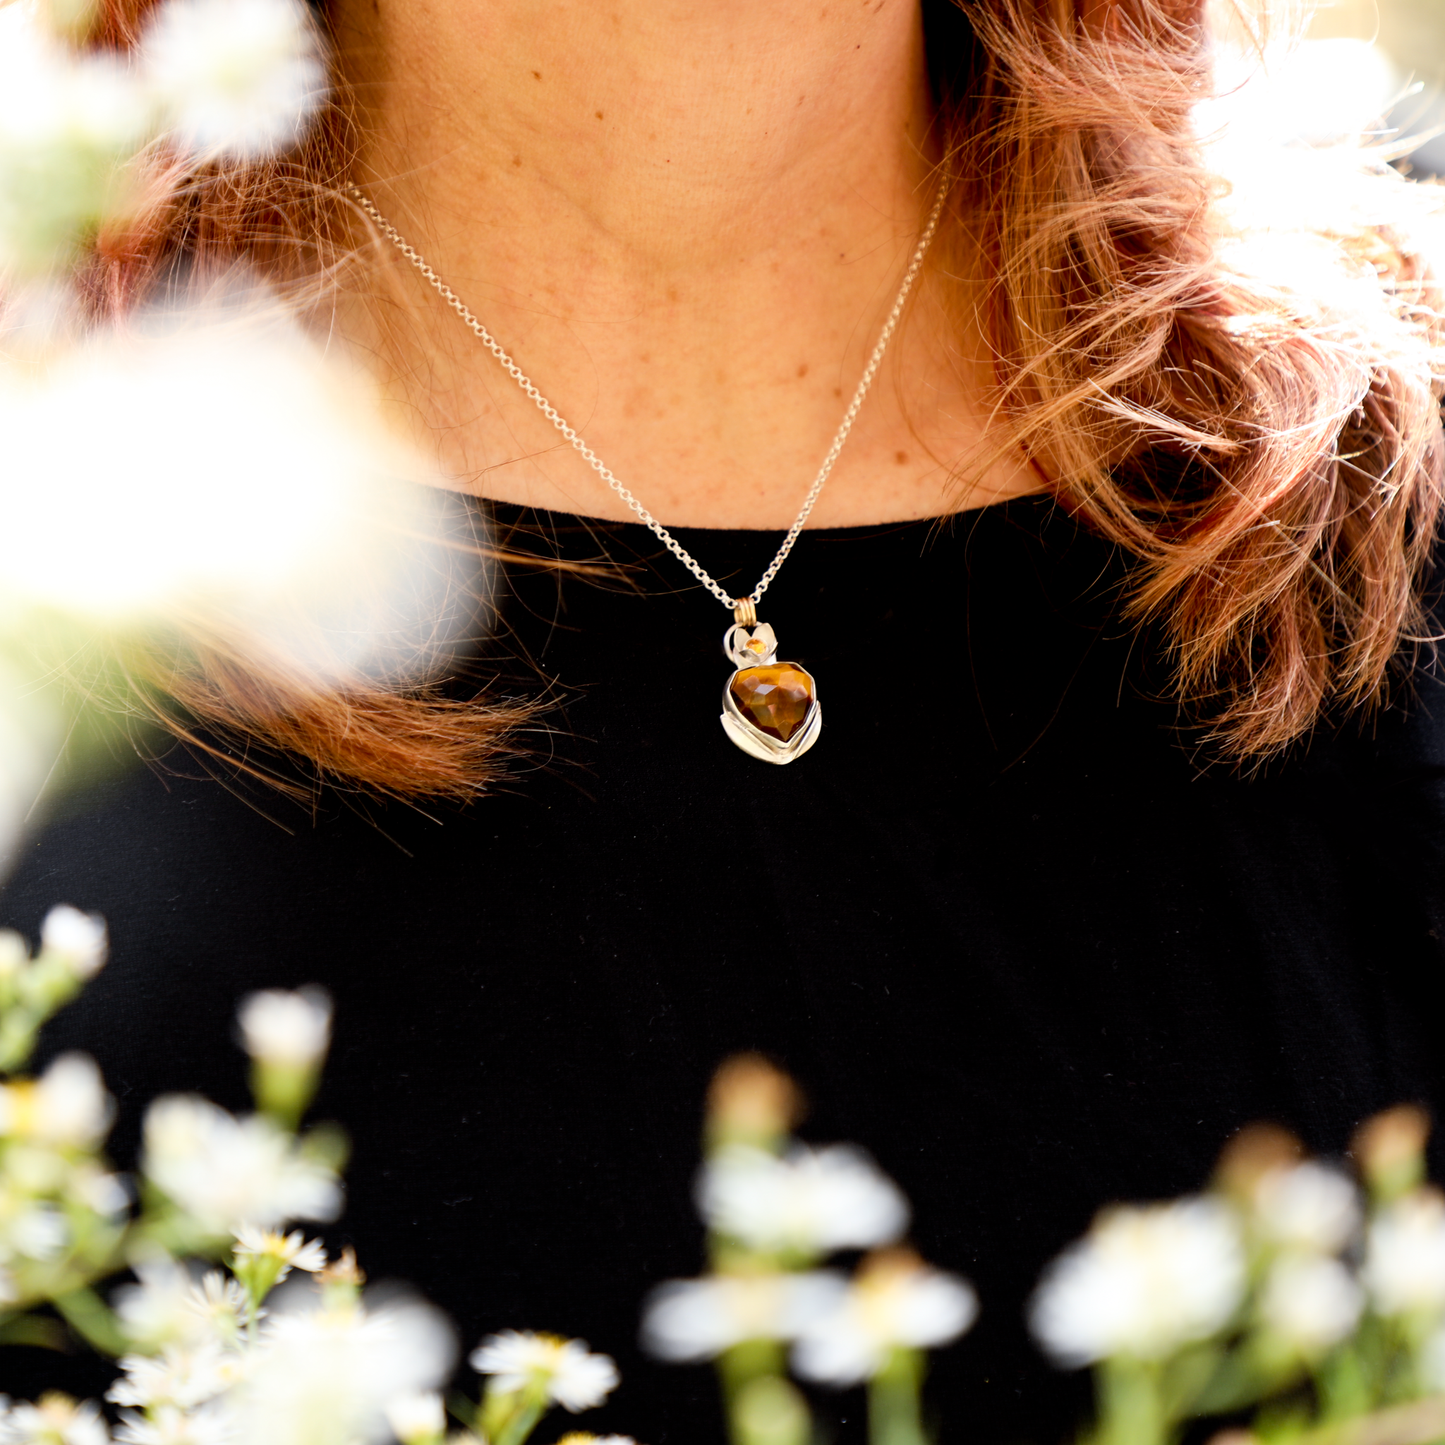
(770, 708)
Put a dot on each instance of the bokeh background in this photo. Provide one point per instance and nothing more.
(1406, 40)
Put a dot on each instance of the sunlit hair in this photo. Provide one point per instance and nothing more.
(1252, 415)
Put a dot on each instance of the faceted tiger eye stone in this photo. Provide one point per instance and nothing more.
(775, 698)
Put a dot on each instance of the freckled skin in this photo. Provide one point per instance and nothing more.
(657, 208)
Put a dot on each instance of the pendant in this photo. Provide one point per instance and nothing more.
(770, 708)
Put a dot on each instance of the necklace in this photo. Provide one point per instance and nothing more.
(770, 708)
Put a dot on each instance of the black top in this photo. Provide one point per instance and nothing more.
(1002, 923)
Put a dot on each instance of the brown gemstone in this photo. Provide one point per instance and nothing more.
(775, 698)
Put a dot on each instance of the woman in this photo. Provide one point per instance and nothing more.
(1108, 844)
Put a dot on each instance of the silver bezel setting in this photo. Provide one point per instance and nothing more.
(758, 744)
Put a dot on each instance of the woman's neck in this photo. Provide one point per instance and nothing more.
(687, 223)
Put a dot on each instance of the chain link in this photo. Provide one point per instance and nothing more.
(601, 468)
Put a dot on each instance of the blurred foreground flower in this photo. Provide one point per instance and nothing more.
(201, 457)
(211, 480)
(72, 948)
(238, 79)
(235, 78)
(895, 1303)
(286, 1035)
(228, 1173)
(1405, 1255)
(1307, 1206)
(698, 1319)
(774, 1207)
(562, 1370)
(1310, 1303)
(1143, 1283)
(324, 1373)
(808, 1202)
(55, 1420)
(218, 1356)
(528, 1373)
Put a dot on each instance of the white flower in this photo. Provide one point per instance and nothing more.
(895, 1302)
(210, 1425)
(1143, 1282)
(810, 1200)
(1308, 1206)
(287, 1028)
(14, 956)
(64, 121)
(48, 97)
(99, 1191)
(695, 1319)
(183, 1375)
(291, 1251)
(230, 1172)
(417, 1417)
(56, 1420)
(32, 1230)
(574, 1379)
(239, 77)
(79, 938)
(68, 1106)
(1311, 1302)
(217, 1308)
(325, 1375)
(1405, 1254)
(157, 1308)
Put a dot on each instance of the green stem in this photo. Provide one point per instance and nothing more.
(1131, 1407)
(894, 1416)
(88, 1315)
(522, 1419)
(34, 1330)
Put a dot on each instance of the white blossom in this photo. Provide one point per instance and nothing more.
(67, 1106)
(1307, 1206)
(230, 1172)
(156, 1309)
(287, 1028)
(238, 78)
(182, 1375)
(1310, 1301)
(574, 1379)
(56, 1420)
(65, 120)
(290, 1251)
(119, 532)
(168, 1306)
(32, 1229)
(1143, 1282)
(14, 957)
(218, 1307)
(210, 1425)
(324, 1375)
(696, 1319)
(79, 938)
(1405, 1254)
(100, 1191)
(810, 1200)
(891, 1305)
(417, 1417)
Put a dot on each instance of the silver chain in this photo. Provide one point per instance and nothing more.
(601, 468)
